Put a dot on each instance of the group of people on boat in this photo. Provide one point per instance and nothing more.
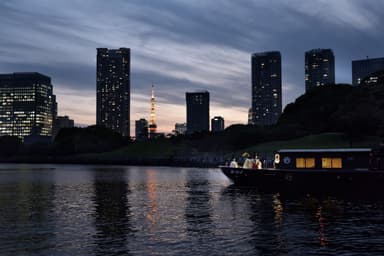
(249, 163)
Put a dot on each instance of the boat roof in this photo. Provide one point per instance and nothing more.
(341, 150)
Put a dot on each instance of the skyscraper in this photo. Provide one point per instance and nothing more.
(361, 69)
(113, 89)
(197, 111)
(217, 124)
(27, 105)
(319, 68)
(266, 88)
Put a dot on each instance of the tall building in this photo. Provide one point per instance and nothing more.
(362, 69)
(266, 88)
(217, 124)
(319, 68)
(113, 89)
(27, 105)
(141, 129)
(152, 122)
(61, 122)
(197, 111)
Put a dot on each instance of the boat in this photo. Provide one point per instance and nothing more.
(343, 170)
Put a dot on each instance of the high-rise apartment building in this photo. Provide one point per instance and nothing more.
(217, 124)
(319, 68)
(266, 88)
(27, 105)
(113, 89)
(197, 111)
(362, 69)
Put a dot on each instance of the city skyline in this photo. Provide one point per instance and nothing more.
(182, 47)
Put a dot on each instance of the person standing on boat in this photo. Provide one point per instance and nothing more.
(258, 163)
(247, 162)
(276, 162)
(233, 163)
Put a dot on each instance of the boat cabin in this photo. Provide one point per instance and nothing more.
(340, 158)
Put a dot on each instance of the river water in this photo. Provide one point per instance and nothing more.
(120, 210)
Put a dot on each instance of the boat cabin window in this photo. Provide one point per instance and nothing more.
(308, 162)
(328, 162)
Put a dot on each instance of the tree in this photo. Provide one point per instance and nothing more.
(9, 145)
(88, 140)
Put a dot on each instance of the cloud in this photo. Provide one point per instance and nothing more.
(182, 46)
(345, 13)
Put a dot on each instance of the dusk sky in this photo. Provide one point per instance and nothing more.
(182, 45)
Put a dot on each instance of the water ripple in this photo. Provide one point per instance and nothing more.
(77, 210)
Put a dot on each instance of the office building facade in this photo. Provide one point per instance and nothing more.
(217, 124)
(266, 88)
(363, 69)
(27, 105)
(197, 111)
(319, 68)
(141, 129)
(113, 89)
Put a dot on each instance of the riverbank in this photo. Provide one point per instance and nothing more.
(97, 159)
(162, 154)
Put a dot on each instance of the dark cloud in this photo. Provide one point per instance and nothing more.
(64, 74)
(186, 45)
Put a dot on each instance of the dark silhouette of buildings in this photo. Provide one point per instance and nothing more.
(217, 124)
(365, 69)
(113, 89)
(27, 107)
(319, 68)
(141, 129)
(250, 116)
(180, 128)
(197, 111)
(266, 88)
(61, 122)
(376, 78)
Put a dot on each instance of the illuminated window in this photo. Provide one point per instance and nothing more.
(327, 162)
(308, 162)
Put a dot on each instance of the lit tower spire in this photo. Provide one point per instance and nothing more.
(152, 124)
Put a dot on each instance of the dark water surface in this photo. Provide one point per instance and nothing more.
(85, 210)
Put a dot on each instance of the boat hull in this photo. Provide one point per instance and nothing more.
(315, 181)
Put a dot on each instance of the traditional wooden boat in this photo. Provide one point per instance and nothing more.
(316, 170)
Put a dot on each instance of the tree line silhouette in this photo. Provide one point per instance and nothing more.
(355, 111)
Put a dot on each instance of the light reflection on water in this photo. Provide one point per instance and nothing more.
(85, 210)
